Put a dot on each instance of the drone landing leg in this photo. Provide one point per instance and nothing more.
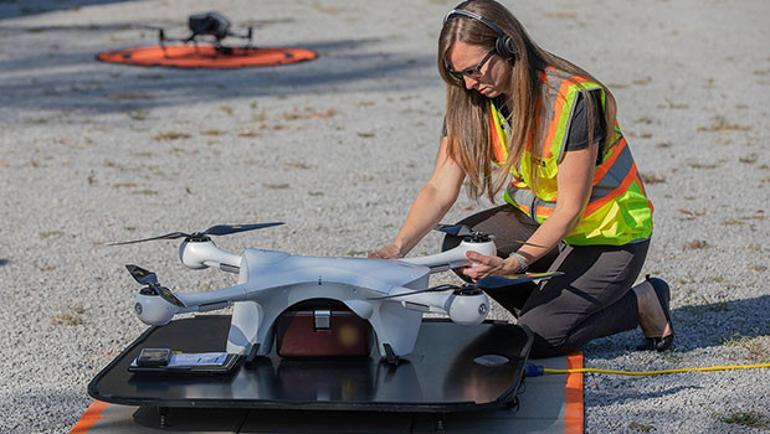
(390, 355)
(440, 428)
(253, 353)
(162, 414)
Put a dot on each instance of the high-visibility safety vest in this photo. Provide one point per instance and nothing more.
(618, 211)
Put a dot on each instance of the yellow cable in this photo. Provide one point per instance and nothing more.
(659, 372)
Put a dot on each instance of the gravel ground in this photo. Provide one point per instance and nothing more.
(337, 148)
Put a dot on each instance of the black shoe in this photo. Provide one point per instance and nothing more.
(663, 293)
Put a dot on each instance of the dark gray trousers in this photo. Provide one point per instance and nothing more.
(592, 299)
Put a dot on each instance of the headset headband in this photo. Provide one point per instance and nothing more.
(504, 46)
(462, 12)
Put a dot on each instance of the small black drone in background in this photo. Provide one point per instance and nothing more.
(212, 24)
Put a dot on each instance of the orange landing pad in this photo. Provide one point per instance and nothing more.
(206, 56)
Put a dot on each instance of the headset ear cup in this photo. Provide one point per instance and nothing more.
(504, 47)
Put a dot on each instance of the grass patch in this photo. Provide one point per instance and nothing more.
(124, 185)
(670, 357)
(697, 245)
(315, 193)
(259, 117)
(277, 186)
(720, 124)
(702, 165)
(212, 132)
(71, 316)
(749, 159)
(747, 418)
(248, 133)
(689, 214)
(759, 215)
(701, 309)
(644, 120)
(652, 178)
(308, 113)
(755, 350)
(327, 9)
(145, 192)
(640, 427)
(50, 234)
(170, 135)
(754, 247)
(672, 105)
(366, 135)
(301, 165)
(137, 115)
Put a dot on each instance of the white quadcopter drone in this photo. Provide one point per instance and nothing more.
(391, 295)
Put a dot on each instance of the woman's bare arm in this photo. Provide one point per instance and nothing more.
(574, 181)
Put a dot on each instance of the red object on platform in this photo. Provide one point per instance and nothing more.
(297, 335)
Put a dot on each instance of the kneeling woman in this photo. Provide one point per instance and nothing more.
(543, 131)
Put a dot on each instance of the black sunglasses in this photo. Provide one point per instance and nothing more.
(471, 71)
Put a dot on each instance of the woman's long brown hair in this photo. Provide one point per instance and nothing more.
(467, 112)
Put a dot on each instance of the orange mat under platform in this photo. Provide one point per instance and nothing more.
(206, 56)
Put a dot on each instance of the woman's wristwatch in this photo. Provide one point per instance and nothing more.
(522, 261)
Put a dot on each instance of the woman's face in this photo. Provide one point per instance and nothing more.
(482, 70)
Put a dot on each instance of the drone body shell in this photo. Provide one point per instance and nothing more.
(270, 282)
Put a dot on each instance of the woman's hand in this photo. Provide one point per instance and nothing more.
(483, 266)
(391, 251)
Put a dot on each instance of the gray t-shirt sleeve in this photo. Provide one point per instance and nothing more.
(577, 137)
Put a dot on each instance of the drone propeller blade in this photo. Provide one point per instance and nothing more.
(232, 229)
(495, 282)
(170, 236)
(456, 230)
(461, 231)
(439, 288)
(141, 275)
(214, 230)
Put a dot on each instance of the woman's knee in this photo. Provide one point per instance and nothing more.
(547, 340)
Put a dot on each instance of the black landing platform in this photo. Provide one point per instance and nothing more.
(452, 368)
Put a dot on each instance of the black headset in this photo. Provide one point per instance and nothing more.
(503, 44)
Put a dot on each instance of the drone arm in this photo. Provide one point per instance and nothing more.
(468, 309)
(453, 258)
(213, 300)
(432, 302)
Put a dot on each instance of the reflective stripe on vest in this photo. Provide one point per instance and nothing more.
(618, 210)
